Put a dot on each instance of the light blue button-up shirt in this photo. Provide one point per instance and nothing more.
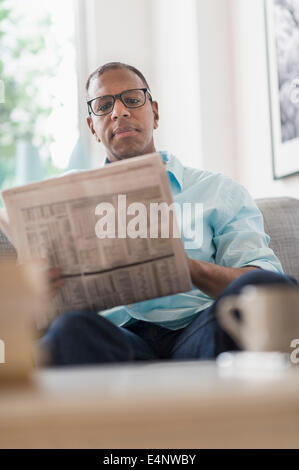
(233, 235)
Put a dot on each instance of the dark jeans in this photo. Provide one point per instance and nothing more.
(85, 337)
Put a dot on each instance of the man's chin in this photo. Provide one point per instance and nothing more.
(127, 154)
(130, 155)
(128, 151)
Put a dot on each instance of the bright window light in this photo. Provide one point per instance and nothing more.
(39, 112)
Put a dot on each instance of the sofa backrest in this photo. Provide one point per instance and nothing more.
(281, 220)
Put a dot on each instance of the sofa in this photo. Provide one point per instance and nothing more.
(281, 220)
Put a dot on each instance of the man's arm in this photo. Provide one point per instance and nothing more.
(239, 239)
(212, 278)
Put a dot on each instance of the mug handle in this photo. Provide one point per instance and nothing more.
(227, 319)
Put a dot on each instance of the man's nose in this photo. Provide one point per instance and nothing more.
(119, 110)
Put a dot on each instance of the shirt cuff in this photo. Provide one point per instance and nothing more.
(264, 265)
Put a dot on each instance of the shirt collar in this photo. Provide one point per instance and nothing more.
(173, 166)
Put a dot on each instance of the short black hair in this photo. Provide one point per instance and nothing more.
(113, 66)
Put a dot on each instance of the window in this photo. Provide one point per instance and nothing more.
(38, 95)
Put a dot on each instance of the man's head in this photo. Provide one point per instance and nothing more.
(125, 131)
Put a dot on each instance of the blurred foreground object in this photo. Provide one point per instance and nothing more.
(269, 317)
(149, 406)
(23, 291)
(253, 364)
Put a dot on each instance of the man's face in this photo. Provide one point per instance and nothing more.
(126, 132)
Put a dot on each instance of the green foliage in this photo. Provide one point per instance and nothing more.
(23, 67)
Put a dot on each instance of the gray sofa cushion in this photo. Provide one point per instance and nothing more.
(281, 219)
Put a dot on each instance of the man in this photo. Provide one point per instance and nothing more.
(234, 251)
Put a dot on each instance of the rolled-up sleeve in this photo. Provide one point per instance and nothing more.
(239, 235)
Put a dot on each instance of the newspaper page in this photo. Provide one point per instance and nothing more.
(119, 262)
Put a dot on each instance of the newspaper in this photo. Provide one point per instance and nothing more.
(56, 219)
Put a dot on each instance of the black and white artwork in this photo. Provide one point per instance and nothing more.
(282, 27)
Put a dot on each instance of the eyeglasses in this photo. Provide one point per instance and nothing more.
(130, 98)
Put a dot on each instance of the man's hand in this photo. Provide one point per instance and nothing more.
(55, 280)
(212, 278)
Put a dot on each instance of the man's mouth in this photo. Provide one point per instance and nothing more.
(124, 132)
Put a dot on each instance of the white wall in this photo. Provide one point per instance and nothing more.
(210, 55)
(216, 86)
(235, 119)
(176, 83)
(111, 31)
(159, 38)
(251, 123)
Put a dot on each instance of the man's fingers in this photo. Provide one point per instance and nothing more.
(55, 280)
(55, 286)
(58, 283)
(54, 273)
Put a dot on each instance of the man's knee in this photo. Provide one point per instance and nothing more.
(264, 276)
(204, 339)
(72, 322)
(84, 337)
(85, 325)
(258, 277)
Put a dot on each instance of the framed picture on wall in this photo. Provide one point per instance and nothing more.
(282, 36)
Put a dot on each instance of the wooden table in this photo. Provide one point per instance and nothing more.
(151, 405)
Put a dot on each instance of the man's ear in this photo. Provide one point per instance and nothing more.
(90, 125)
(156, 113)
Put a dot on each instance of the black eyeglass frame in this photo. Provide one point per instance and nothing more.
(118, 96)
